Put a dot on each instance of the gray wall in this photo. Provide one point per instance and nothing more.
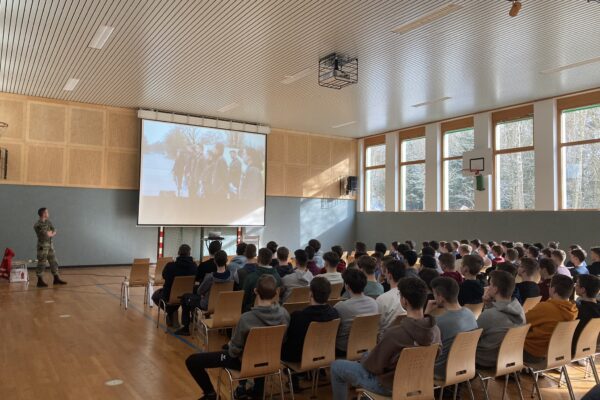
(98, 226)
(567, 227)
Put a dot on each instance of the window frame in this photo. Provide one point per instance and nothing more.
(370, 142)
(508, 115)
(447, 127)
(589, 99)
(409, 134)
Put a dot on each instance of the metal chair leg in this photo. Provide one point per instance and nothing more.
(291, 384)
(483, 386)
(441, 393)
(471, 390)
(519, 385)
(560, 376)
(568, 380)
(537, 387)
(505, 386)
(281, 384)
(594, 370)
(456, 392)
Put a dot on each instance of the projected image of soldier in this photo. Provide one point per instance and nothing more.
(235, 174)
(178, 170)
(195, 171)
(219, 176)
(251, 184)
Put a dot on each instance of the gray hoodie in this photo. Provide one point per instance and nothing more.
(495, 322)
(236, 263)
(295, 279)
(258, 316)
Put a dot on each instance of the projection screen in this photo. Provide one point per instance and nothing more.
(198, 176)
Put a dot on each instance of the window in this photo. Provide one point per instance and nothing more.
(579, 151)
(458, 189)
(375, 174)
(412, 170)
(514, 180)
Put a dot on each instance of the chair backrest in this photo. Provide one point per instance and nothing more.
(141, 260)
(298, 295)
(559, 348)
(262, 351)
(215, 289)
(181, 286)
(160, 266)
(588, 339)
(299, 306)
(510, 355)
(228, 309)
(413, 378)
(475, 308)
(333, 302)
(460, 366)
(531, 302)
(319, 344)
(336, 290)
(139, 273)
(363, 335)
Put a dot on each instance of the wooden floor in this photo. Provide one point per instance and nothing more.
(68, 342)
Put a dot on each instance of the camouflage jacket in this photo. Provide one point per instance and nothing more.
(41, 229)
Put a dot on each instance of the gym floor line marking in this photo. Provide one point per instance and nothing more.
(49, 301)
(113, 382)
(64, 316)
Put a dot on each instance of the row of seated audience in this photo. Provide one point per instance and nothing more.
(400, 283)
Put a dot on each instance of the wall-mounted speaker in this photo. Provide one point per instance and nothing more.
(348, 185)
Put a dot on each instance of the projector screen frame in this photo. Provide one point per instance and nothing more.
(138, 224)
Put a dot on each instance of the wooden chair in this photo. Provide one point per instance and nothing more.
(318, 352)
(181, 286)
(531, 302)
(299, 306)
(261, 357)
(141, 261)
(227, 313)
(298, 295)
(460, 365)
(558, 356)
(336, 291)
(413, 379)
(510, 360)
(475, 308)
(585, 349)
(138, 277)
(333, 302)
(213, 296)
(363, 335)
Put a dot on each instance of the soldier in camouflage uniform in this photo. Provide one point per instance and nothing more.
(45, 251)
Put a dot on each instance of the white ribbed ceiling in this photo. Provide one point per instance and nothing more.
(199, 56)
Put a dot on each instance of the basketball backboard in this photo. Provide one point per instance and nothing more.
(478, 161)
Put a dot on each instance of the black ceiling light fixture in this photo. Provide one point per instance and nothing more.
(516, 7)
(337, 71)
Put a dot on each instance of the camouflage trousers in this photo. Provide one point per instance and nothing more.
(46, 256)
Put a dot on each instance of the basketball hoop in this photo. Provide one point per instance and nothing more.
(479, 181)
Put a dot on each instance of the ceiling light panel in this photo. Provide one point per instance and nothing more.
(228, 107)
(293, 78)
(427, 18)
(70, 85)
(430, 102)
(344, 124)
(101, 36)
(570, 66)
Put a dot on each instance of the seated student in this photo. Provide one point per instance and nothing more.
(497, 253)
(358, 304)
(318, 311)
(339, 251)
(360, 249)
(282, 266)
(559, 257)
(318, 257)
(587, 288)
(501, 312)
(411, 257)
(547, 271)
(533, 252)
(239, 260)
(569, 263)
(394, 252)
(528, 270)
(512, 255)
(435, 245)
(463, 250)
(183, 265)
(428, 251)
(579, 265)
(484, 251)
(594, 268)
(300, 277)
(380, 248)
(367, 264)
(471, 289)
(250, 266)
(429, 262)
(267, 312)
(455, 245)
(411, 244)
(427, 275)
(273, 246)
(546, 252)
(545, 315)
(456, 319)
(331, 268)
(389, 302)
(264, 268)
(447, 261)
(312, 265)
(208, 266)
(376, 371)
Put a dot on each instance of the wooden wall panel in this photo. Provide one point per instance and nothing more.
(47, 122)
(13, 113)
(296, 178)
(122, 170)
(85, 167)
(275, 179)
(15, 161)
(320, 151)
(124, 130)
(87, 126)
(45, 164)
(276, 147)
(297, 149)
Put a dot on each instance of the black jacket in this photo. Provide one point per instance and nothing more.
(471, 292)
(300, 320)
(525, 290)
(205, 267)
(587, 311)
(182, 266)
(594, 268)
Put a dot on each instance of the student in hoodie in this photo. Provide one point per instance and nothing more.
(389, 302)
(273, 246)
(579, 265)
(239, 260)
(208, 266)
(447, 263)
(249, 267)
(318, 257)
(331, 268)
(264, 268)
(501, 313)
(547, 271)
(594, 268)
(267, 312)
(375, 372)
(529, 271)
(559, 257)
(546, 315)
(183, 265)
(497, 253)
(283, 266)
(471, 289)
(411, 258)
(456, 319)
(312, 265)
(339, 251)
(318, 311)
(367, 265)
(463, 250)
(533, 252)
(300, 277)
(587, 288)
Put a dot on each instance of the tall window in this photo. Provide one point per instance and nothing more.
(375, 173)
(412, 170)
(514, 178)
(580, 151)
(458, 189)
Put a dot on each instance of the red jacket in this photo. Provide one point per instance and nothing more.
(6, 265)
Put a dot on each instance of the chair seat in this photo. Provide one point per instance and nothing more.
(236, 375)
(538, 366)
(137, 284)
(372, 395)
(487, 372)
